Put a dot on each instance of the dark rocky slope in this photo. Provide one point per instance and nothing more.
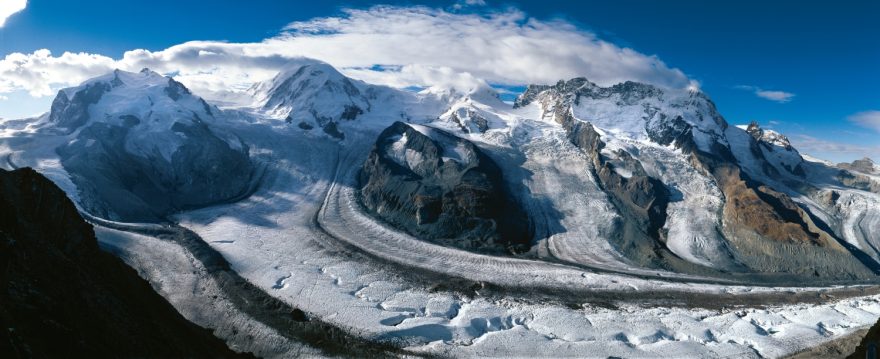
(61, 296)
(442, 188)
(870, 345)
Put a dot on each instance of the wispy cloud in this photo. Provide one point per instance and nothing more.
(465, 3)
(10, 7)
(418, 44)
(867, 119)
(778, 96)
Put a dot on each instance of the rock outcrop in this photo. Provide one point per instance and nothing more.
(441, 188)
(61, 296)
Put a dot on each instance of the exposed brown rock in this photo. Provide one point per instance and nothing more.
(770, 214)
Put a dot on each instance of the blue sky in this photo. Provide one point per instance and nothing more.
(816, 63)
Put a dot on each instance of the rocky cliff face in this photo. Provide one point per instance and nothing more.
(441, 188)
(776, 150)
(61, 296)
(144, 146)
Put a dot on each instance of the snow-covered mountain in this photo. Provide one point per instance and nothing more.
(141, 145)
(313, 95)
(690, 192)
(624, 190)
(633, 132)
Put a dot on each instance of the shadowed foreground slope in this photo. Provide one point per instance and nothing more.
(60, 295)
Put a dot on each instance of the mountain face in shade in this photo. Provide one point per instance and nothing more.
(61, 296)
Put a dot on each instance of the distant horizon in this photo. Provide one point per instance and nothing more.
(807, 71)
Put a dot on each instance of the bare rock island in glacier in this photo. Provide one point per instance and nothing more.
(441, 188)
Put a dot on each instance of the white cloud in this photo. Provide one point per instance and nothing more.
(501, 47)
(867, 119)
(778, 96)
(10, 7)
(418, 46)
(40, 73)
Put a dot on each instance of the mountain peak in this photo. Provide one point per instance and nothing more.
(767, 135)
(312, 94)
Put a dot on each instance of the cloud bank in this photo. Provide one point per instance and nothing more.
(413, 46)
(10, 7)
